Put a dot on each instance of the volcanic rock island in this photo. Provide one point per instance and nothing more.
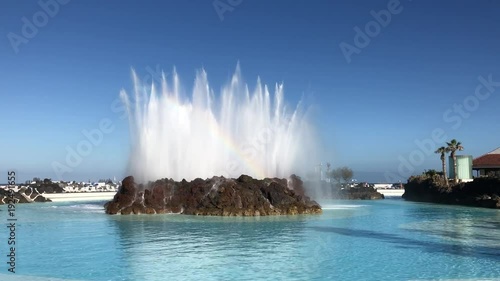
(216, 196)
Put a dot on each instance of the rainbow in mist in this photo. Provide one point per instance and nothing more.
(204, 135)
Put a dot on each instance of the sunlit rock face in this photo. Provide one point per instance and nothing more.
(217, 196)
(201, 135)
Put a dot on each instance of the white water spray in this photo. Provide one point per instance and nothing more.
(234, 133)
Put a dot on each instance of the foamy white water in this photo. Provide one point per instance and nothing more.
(205, 134)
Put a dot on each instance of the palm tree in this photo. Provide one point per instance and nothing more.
(453, 146)
(443, 151)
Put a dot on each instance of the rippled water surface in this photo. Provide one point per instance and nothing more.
(351, 240)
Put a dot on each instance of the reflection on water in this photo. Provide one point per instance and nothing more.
(467, 227)
(462, 249)
(191, 245)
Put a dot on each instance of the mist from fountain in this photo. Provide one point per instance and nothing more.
(204, 135)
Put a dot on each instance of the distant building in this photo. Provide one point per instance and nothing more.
(487, 164)
(464, 167)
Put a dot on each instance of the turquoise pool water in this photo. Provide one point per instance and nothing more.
(352, 240)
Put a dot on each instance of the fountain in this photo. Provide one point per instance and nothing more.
(244, 133)
(250, 136)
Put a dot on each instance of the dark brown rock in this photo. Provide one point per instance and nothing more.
(216, 196)
(361, 193)
(482, 192)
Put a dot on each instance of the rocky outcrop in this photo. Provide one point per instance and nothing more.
(482, 192)
(24, 195)
(48, 188)
(328, 190)
(359, 193)
(42, 188)
(217, 196)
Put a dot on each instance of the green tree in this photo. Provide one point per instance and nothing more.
(453, 146)
(431, 173)
(443, 151)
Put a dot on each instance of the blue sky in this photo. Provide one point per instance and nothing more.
(404, 84)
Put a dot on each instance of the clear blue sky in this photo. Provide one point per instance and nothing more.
(369, 112)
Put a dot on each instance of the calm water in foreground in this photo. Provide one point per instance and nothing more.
(351, 240)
